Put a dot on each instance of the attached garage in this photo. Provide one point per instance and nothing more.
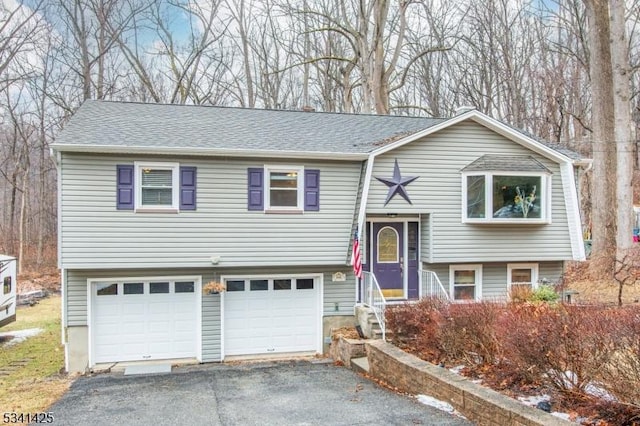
(144, 319)
(274, 314)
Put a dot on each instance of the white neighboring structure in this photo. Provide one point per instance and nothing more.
(7, 289)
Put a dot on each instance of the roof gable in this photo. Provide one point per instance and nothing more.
(506, 163)
(542, 148)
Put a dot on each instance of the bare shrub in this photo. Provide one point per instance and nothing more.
(469, 333)
(519, 293)
(621, 375)
(561, 345)
(416, 327)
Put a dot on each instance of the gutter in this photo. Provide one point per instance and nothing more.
(210, 152)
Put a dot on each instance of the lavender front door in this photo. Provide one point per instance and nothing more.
(388, 257)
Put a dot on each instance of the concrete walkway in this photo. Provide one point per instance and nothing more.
(273, 393)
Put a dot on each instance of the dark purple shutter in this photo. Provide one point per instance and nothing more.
(187, 188)
(312, 190)
(124, 181)
(255, 177)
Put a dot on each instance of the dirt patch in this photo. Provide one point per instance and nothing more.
(45, 279)
(346, 332)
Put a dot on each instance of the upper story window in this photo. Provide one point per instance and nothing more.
(285, 189)
(157, 186)
(506, 189)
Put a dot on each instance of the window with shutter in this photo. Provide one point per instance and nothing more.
(283, 189)
(156, 186)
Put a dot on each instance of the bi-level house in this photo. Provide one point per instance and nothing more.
(157, 200)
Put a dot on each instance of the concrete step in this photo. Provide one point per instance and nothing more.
(360, 365)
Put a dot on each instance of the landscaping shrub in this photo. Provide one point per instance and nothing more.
(520, 293)
(563, 346)
(590, 355)
(468, 333)
(416, 327)
(455, 333)
(621, 375)
(544, 293)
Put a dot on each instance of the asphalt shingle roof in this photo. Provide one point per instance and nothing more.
(145, 127)
(103, 123)
(515, 163)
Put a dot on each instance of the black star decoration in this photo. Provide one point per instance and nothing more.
(397, 184)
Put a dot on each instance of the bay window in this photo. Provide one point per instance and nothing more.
(506, 196)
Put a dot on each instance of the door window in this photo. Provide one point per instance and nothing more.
(133, 288)
(388, 245)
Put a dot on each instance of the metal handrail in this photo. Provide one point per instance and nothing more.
(431, 286)
(372, 297)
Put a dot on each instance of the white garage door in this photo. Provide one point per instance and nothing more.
(144, 320)
(271, 315)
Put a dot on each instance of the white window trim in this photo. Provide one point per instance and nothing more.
(477, 268)
(267, 187)
(545, 200)
(175, 189)
(534, 273)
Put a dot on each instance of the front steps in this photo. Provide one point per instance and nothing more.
(360, 365)
(368, 322)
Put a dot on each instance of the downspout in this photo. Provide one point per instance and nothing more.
(571, 199)
(363, 210)
(57, 157)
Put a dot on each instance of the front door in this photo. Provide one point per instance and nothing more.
(388, 258)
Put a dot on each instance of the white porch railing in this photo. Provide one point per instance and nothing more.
(371, 296)
(430, 286)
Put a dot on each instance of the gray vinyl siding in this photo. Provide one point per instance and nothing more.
(437, 160)
(342, 293)
(494, 276)
(339, 294)
(94, 234)
(425, 236)
(211, 328)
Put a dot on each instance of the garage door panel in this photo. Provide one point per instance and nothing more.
(161, 327)
(159, 308)
(184, 326)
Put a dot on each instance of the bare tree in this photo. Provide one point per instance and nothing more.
(17, 35)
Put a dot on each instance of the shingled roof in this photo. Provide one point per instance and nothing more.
(126, 125)
(514, 163)
(107, 126)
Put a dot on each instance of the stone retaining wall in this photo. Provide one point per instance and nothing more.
(481, 405)
(343, 349)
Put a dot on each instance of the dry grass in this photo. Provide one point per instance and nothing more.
(603, 291)
(596, 289)
(35, 380)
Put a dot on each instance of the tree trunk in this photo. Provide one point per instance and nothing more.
(23, 215)
(603, 207)
(624, 143)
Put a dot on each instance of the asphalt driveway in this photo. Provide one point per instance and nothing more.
(273, 393)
